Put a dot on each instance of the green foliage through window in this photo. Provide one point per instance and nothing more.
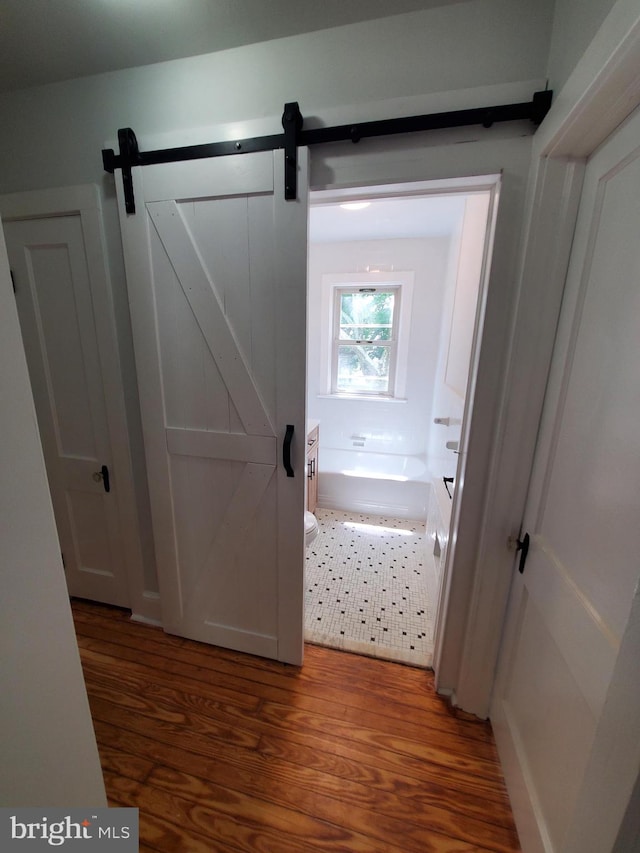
(365, 340)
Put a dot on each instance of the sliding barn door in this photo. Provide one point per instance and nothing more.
(216, 271)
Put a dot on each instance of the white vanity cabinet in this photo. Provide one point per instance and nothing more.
(313, 435)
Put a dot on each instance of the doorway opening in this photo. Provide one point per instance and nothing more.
(395, 305)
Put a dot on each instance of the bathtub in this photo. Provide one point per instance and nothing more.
(376, 483)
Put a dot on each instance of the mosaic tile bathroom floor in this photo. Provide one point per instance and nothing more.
(366, 587)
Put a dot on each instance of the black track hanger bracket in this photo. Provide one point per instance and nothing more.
(540, 106)
(129, 156)
(292, 122)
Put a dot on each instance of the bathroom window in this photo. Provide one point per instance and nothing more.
(362, 314)
(365, 340)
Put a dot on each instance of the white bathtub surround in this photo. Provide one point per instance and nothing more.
(366, 587)
(376, 483)
(438, 524)
(397, 425)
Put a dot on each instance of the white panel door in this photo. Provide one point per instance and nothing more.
(216, 271)
(570, 608)
(57, 316)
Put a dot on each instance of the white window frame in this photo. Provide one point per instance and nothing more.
(403, 280)
(391, 344)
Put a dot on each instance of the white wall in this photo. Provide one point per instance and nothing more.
(465, 266)
(389, 426)
(48, 748)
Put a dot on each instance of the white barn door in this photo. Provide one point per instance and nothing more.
(571, 610)
(216, 271)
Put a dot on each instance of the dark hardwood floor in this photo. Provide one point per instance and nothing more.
(226, 752)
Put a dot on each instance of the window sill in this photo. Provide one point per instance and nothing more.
(363, 398)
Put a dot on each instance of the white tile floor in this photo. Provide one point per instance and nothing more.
(366, 587)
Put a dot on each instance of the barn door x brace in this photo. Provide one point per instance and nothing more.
(294, 135)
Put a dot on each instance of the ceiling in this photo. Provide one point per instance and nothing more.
(387, 219)
(44, 41)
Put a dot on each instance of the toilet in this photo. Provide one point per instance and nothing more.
(310, 528)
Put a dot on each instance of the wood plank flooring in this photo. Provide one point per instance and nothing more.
(228, 753)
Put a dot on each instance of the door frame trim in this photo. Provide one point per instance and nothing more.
(602, 91)
(576, 121)
(84, 201)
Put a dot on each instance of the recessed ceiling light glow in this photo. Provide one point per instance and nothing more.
(355, 205)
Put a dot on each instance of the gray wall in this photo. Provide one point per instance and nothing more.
(575, 23)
